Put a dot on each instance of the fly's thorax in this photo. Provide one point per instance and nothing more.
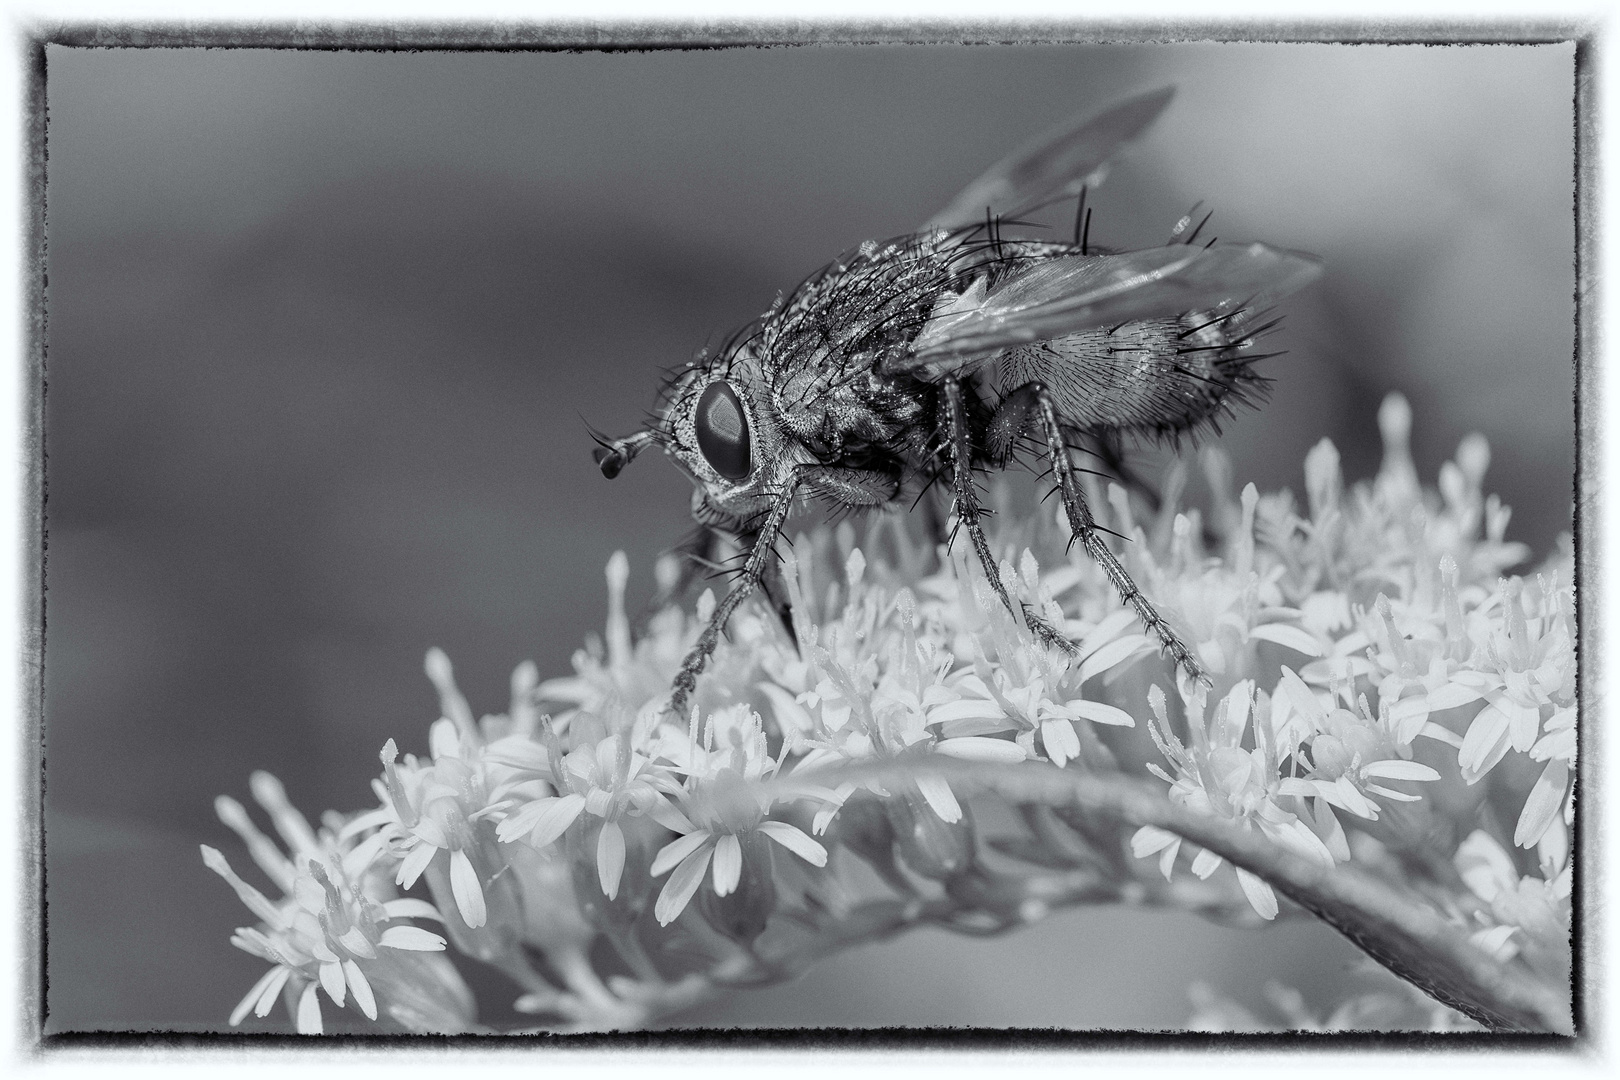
(719, 429)
(830, 411)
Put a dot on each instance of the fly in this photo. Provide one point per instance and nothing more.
(933, 354)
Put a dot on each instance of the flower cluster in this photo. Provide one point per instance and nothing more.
(1381, 694)
(339, 926)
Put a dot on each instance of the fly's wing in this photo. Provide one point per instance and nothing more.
(1053, 167)
(1072, 293)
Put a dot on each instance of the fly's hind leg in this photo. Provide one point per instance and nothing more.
(954, 436)
(1086, 531)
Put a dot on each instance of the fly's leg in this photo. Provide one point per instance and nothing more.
(754, 571)
(954, 429)
(1007, 424)
(1086, 531)
(702, 553)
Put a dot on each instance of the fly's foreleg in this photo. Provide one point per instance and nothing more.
(954, 436)
(1086, 531)
(702, 554)
(754, 571)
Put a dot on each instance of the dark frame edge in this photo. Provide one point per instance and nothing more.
(1588, 936)
(627, 35)
(30, 855)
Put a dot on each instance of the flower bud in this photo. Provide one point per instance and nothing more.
(1330, 756)
(1323, 480)
(503, 904)
(864, 828)
(635, 884)
(742, 914)
(930, 846)
(421, 991)
(552, 920)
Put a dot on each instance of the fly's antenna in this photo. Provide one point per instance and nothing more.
(612, 455)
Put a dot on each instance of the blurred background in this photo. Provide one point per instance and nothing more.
(326, 329)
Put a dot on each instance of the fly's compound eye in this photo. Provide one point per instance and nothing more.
(722, 431)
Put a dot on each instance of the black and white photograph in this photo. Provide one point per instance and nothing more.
(808, 537)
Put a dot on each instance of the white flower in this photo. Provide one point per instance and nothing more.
(328, 931)
(725, 802)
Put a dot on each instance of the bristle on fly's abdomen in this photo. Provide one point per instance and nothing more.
(1161, 378)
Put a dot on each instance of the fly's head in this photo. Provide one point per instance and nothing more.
(718, 427)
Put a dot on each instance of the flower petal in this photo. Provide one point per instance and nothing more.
(1289, 637)
(1113, 654)
(411, 867)
(669, 816)
(610, 858)
(1060, 740)
(965, 709)
(1099, 713)
(468, 892)
(981, 748)
(1330, 831)
(790, 715)
(1409, 716)
(354, 939)
(309, 1012)
(795, 841)
(1434, 731)
(1259, 894)
(255, 900)
(1112, 624)
(1484, 866)
(1150, 838)
(1351, 798)
(1298, 837)
(252, 996)
(1167, 859)
(1205, 863)
(1495, 942)
(554, 820)
(727, 864)
(1397, 769)
(412, 938)
(1524, 721)
(1484, 744)
(1541, 805)
(1293, 689)
(937, 793)
(521, 820)
(362, 822)
(431, 831)
(358, 983)
(520, 752)
(272, 990)
(332, 981)
(681, 885)
(676, 851)
(1453, 695)
(409, 907)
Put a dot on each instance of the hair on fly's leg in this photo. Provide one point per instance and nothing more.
(1089, 534)
(753, 572)
(953, 424)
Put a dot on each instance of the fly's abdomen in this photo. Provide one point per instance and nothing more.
(1161, 377)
